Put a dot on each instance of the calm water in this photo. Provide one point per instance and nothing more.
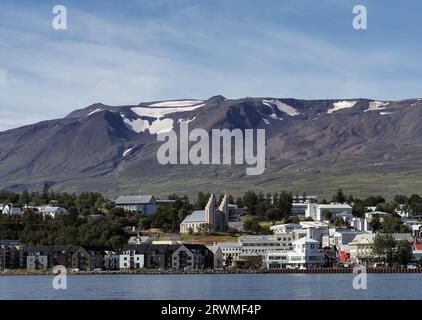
(225, 287)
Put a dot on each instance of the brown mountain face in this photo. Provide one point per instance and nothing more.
(313, 146)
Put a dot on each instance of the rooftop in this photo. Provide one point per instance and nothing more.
(134, 199)
(196, 216)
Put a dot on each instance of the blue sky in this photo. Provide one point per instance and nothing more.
(125, 52)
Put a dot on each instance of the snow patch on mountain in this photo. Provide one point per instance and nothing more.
(127, 151)
(290, 111)
(136, 125)
(187, 121)
(385, 113)
(339, 105)
(176, 103)
(95, 111)
(376, 105)
(161, 126)
(159, 113)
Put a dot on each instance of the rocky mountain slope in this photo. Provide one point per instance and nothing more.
(312, 146)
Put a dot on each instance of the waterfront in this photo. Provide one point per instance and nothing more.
(218, 287)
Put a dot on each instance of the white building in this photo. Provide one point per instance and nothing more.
(339, 237)
(314, 210)
(284, 228)
(143, 204)
(11, 209)
(311, 229)
(52, 212)
(139, 239)
(261, 244)
(133, 257)
(230, 251)
(361, 248)
(305, 254)
(37, 257)
(218, 256)
(214, 218)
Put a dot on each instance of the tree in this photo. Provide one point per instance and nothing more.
(251, 225)
(230, 199)
(145, 223)
(388, 207)
(338, 221)
(358, 208)
(400, 199)
(326, 214)
(339, 197)
(204, 228)
(239, 202)
(285, 203)
(393, 224)
(404, 252)
(373, 201)
(250, 201)
(272, 214)
(382, 248)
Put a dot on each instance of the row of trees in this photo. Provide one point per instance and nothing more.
(386, 250)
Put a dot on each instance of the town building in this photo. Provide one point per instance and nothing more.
(145, 204)
(218, 262)
(314, 210)
(261, 244)
(211, 218)
(230, 251)
(284, 228)
(193, 256)
(53, 212)
(37, 257)
(133, 256)
(11, 209)
(304, 254)
(111, 260)
(11, 255)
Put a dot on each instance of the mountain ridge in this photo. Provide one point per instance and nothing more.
(112, 149)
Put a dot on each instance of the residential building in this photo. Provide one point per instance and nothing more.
(361, 248)
(37, 257)
(96, 256)
(285, 228)
(194, 256)
(305, 254)
(314, 210)
(133, 256)
(11, 209)
(139, 239)
(11, 255)
(61, 255)
(261, 244)
(111, 260)
(230, 251)
(142, 204)
(52, 212)
(218, 262)
(159, 256)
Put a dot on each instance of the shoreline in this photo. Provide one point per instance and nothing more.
(212, 272)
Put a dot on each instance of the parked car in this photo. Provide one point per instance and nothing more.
(411, 266)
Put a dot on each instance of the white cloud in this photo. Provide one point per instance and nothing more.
(190, 54)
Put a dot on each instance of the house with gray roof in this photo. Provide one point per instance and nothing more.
(142, 204)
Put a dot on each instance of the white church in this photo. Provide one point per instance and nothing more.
(215, 217)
